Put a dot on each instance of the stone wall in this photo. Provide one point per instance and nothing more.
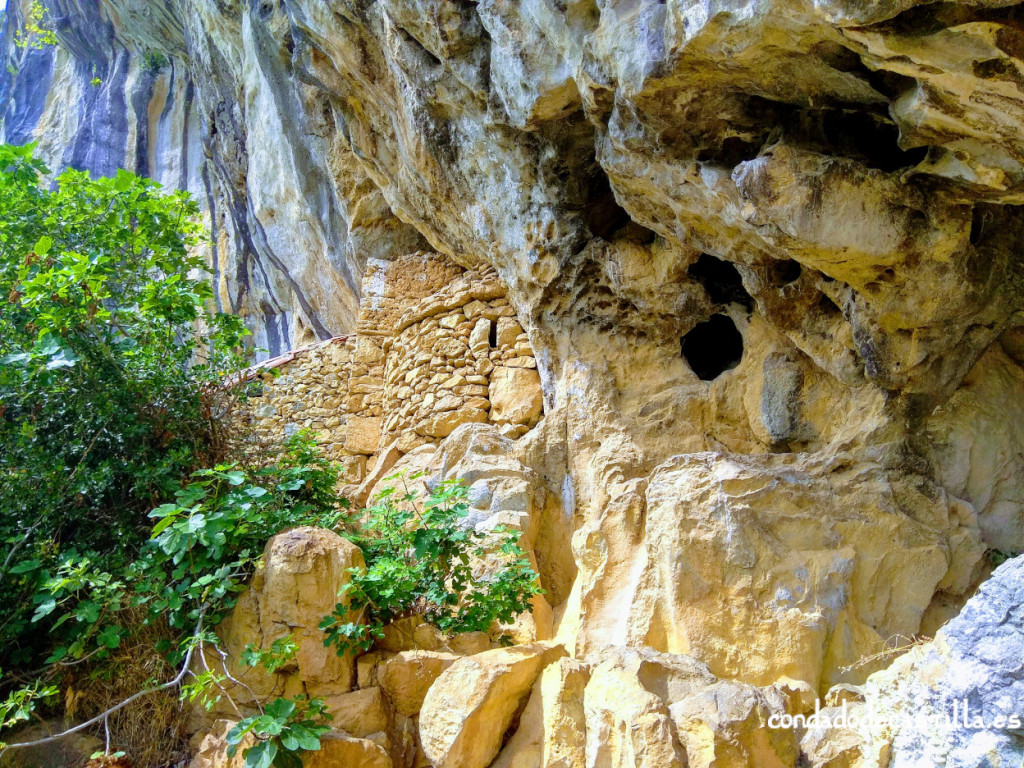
(437, 346)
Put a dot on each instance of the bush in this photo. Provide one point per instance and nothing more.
(202, 550)
(102, 371)
(429, 564)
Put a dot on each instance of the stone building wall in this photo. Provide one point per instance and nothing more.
(436, 346)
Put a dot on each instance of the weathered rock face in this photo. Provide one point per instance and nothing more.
(954, 702)
(767, 256)
(303, 570)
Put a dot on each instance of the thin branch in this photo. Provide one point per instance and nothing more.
(104, 715)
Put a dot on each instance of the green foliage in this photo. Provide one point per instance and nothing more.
(20, 704)
(286, 727)
(999, 556)
(281, 651)
(36, 32)
(283, 731)
(428, 563)
(206, 543)
(102, 372)
(154, 61)
(202, 549)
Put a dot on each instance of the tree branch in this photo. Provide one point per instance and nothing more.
(104, 715)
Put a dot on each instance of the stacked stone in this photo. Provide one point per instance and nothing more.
(438, 371)
(365, 402)
(421, 365)
(306, 389)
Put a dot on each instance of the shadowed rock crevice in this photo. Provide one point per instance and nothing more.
(869, 137)
(721, 280)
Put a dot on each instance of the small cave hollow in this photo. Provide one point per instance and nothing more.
(604, 215)
(721, 280)
(712, 347)
(607, 219)
(786, 272)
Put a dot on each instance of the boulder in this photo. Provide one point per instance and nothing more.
(626, 705)
(212, 751)
(515, 396)
(408, 675)
(70, 751)
(361, 713)
(833, 747)
(552, 731)
(726, 725)
(470, 706)
(302, 572)
(957, 701)
(338, 750)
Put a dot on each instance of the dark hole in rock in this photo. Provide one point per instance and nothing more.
(713, 347)
(732, 151)
(982, 216)
(721, 280)
(786, 271)
(828, 307)
(492, 336)
(604, 215)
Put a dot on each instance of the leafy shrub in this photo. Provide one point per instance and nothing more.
(429, 564)
(102, 370)
(283, 731)
(201, 552)
(36, 32)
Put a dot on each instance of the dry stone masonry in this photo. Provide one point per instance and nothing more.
(437, 346)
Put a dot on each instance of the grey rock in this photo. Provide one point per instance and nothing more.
(958, 701)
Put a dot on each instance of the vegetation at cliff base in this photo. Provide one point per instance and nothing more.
(106, 348)
(127, 528)
(101, 375)
(422, 560)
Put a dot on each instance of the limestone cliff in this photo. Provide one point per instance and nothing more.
(767, 255)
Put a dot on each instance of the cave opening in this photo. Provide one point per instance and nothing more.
(721, 280)
(604, 214)
(867, 137)
(712, 347)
